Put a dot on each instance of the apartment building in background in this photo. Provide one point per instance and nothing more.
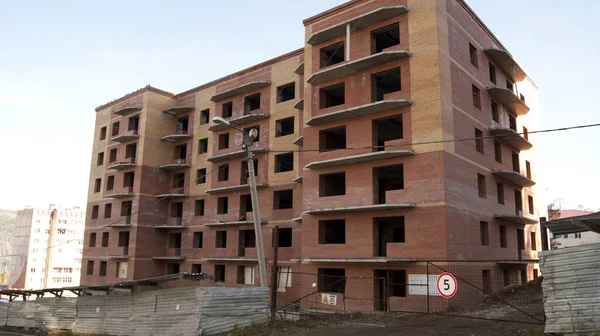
(47, 248)
(360, 159)
(574, 239)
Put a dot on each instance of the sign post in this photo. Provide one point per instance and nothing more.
(446, 285)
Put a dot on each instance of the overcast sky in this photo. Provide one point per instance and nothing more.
(61, 59)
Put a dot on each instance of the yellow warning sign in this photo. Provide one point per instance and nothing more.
(329, 299)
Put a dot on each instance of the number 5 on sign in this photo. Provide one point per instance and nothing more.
(446, 285)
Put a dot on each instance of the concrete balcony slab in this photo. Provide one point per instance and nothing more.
(299, 69)
(358, 208)
(514, 177)
(299, 104)
(234, 188)
(234, 155)
(126, 110)
(244, 88)
(507, 98)
(517, 219)
(177, 110)
(511, 138)
(357, 111)
(382, 155)
(176, 137)
(507, 63)
(246, 119)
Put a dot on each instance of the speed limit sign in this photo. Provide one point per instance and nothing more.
(446, 285)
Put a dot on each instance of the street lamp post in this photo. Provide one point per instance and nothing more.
(262, 267)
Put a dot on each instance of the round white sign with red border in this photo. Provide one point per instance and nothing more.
(446, 285)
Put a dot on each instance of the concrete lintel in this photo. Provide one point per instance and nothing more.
(239, 121)
(358, 22)
(357, 111)
(233, 155)
(233, 188)
(244, 88)
(356, 208)
(372, 156)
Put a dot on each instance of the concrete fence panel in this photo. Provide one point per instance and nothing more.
(3, 313)
(91, 314)
(21, 314)
(56, 313)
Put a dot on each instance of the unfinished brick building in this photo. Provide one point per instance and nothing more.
(357, 158)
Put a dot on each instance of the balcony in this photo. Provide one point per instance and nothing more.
(240, 259)
(176, 165)
(517, 219)
(511, 138)
(177, 110)
(233, 223)
(121, 165)
(514, 177)
(372, 156)
(245, 119)
(234, 155)
(125, 221)
(298, 179)
(357, 208)
(175, 254)
(174, 193)
(299, 104)
(506, 63)
(127, 136)
(245, 88)
(299, 69)
(507, 98)
(126, 110)
(125, 192)
(178, 136)
(172, 223)
(357, 23)
(376, 107)
(352, 67)
(240, 187)
(124, 255)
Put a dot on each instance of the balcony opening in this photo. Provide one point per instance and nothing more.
(476, 96)
(95, 211)
(201, 176)
(97, 185)
(92, 242)
(509, 85)
(222, 205)
(131, 151)
(196, 268)
(219, 273)
(495, 114)
(245, 173)
(199, 207)
(227, 110)
(223, 172)
(388, 283)
(112, 155)
(492, 70)
(133, 124)
(90, 267)
(502, 231)
(286, 92)
(247, 131)
(479, 141)
(198, 239)
(331, 280)
(246, 275)
(173, 268)
(124, 241)
(518, 203)
(110, 182)
(387, 230)
(246, 238)
(177, 213)
(180, 153)
(203, 146)
(486, 280)
(285, 237)
(332, 184)
(332, 231)
(284, 127)
(204, 116)
(105, 236)
(245, 207)
(385, 37)
(516, 166)
(530, 205)
(483, 230)
(284, 162)
(100, 159)
(533, 241)
(128, 179)
(500, 192)
(224, 141)
(473, 55)
(332, 96)
(385, 179)
(108, 210)
(221, 239)
(520, 241)
(387, 129)
(528, 169)
(175, 240)
(251, 103)
(498, 152)
(182, 125)
(178, 183)
(102, 271)
(332, 139)
(283, 199)
(115, 129)
(512, 123)
(332, 54)
(385, 82)
(102, 133)
(126, 209)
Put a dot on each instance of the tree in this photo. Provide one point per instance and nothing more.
(554, 214)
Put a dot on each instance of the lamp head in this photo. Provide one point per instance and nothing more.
(220, 121)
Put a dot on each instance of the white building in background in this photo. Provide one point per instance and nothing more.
(575, 239)
(47, 248)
